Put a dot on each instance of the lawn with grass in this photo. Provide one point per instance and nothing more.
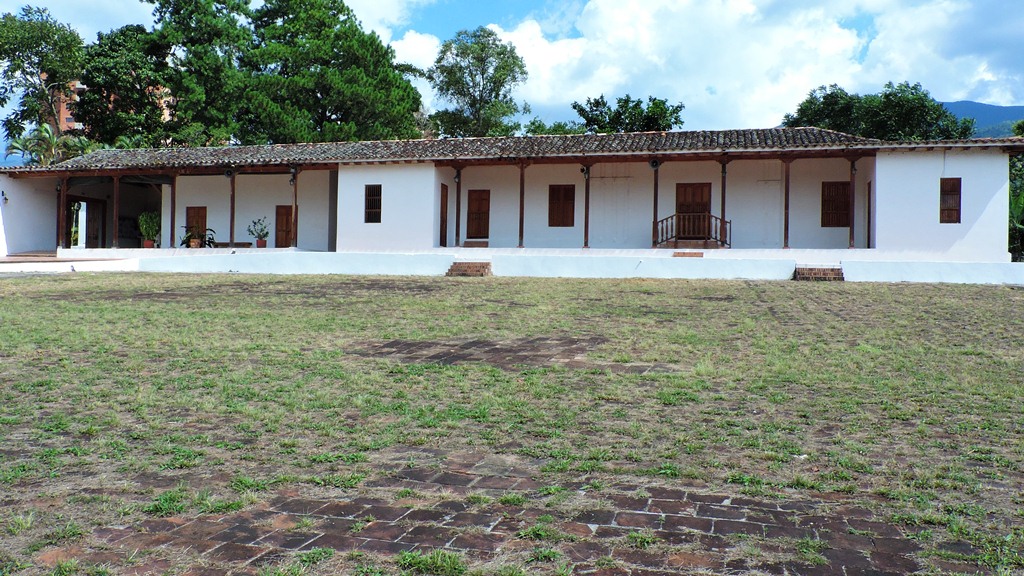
(127, 398)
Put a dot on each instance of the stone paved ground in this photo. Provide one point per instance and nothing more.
(428, 506)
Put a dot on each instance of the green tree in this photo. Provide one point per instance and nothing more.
(317, 76)
(126, 74)
(902, 111)
(44, 146)
(538, 127)
(207, 39)
(476, 73)
(39, 57)
(1017, 200)
(629, 115)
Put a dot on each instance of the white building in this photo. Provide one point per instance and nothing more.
(757, 190)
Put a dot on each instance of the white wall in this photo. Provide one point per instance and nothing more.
(622, 202)
(907, 211)
(410, 212)
(256, 195)
(805, 178)
(28, 219)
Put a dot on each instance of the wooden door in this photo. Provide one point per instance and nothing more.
(478, 214)
(283, 226)
(195, 220)
(693, 209)
(444, 215)
(95, 223)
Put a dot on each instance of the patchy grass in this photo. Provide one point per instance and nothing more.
(904, 398)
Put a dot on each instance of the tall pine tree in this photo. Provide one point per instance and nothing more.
(316, 75)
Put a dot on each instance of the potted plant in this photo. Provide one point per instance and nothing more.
(197, 237)
(149, 227)
(258, 230)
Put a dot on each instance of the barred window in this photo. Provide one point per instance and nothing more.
(373, 203)
(949, 201)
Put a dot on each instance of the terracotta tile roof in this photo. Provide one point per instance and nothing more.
(642, 144)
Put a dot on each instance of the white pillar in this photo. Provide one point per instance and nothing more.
(81, 224)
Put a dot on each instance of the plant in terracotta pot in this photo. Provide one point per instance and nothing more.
(149, 228)
(197, 237)
(258, 230)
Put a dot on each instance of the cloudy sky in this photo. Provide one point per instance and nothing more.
(733, 63)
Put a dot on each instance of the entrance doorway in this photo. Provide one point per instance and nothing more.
(478, 215)
(283, 227)
(693, 210)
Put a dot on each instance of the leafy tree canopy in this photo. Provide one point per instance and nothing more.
(629, 115)
(126, 72)
(317, 76)
(476, 73)
(899, 112)
(207, 38)
(1017, 200)
(39, 57)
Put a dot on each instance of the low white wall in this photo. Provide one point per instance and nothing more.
(944, 272)
(28, 217)
(908, 204)
(629, 267)
(306, 263)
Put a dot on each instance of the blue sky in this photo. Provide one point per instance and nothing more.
(733, 63)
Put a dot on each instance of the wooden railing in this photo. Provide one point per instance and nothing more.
(696, 226)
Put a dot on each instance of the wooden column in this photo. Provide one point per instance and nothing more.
(522, 200)
(586, 206)
(723, 230)
(174, 208)
(117, 209)
(786, 162)
(458, 206)
(853, 194)
(656, 164)
(231, 224)
(62, 212)
(295, 207)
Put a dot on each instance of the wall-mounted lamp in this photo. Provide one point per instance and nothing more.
(3, 194)
(295, 173)
(655, 163)
(229, 173)
(458, 176)
(585, 170)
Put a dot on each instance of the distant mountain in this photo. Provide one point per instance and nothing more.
(990, 120)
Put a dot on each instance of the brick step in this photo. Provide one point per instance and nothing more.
(818, 273)
(473, 269)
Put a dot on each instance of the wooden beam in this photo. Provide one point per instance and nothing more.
(853, 195)
(174, 208)
(724, 161)
(62, 212)
(231, 236)
(522, 201)
(785, 222)
(586, 206)
(117, 210)
(295, 206)
(656, 164)
(458, 206)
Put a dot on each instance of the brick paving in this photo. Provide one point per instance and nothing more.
(508, 354)
(695, 528)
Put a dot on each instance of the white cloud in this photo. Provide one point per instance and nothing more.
(97, 16)
(420, 50)
(382, 16)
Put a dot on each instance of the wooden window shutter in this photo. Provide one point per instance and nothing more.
(561, 205)
(949, 201)
(373, 203)
(835, 204)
